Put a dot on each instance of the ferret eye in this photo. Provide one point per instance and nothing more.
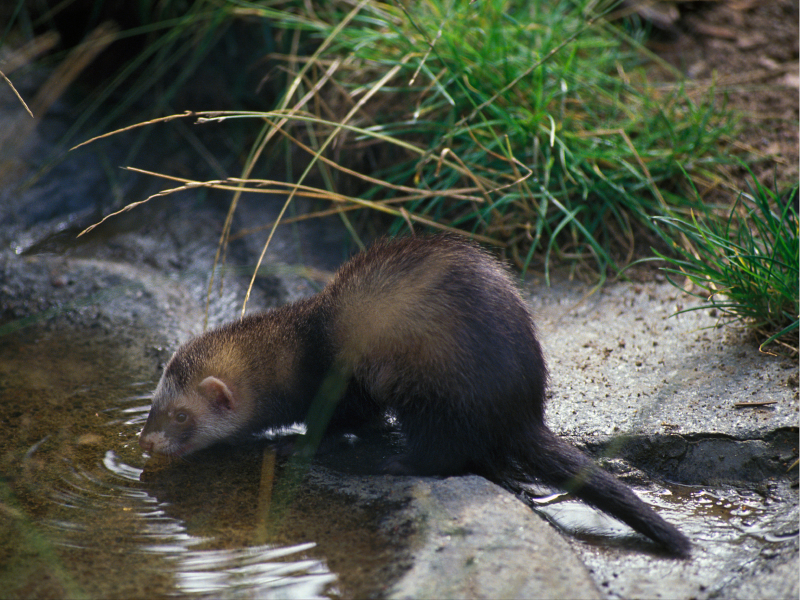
(181, 417)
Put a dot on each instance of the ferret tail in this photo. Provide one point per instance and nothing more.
(557, 463)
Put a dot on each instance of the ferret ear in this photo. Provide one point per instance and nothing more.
(217, 393)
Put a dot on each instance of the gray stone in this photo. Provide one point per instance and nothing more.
(479, 541)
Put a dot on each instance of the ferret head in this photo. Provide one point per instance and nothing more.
(200, 400)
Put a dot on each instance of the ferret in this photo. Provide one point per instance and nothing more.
(431, 330)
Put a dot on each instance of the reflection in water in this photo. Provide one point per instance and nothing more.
(583, 521)
(728, 513)
(253, 572)
(728, 526)
(113, 464)
(109, 501)
(261, 571)
(76, 517)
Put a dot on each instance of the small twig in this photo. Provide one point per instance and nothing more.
(755, 404)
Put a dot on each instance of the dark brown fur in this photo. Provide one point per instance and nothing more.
(431, 329)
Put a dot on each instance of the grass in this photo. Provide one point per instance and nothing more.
(745, 263)
(540, 112)
(531, 126)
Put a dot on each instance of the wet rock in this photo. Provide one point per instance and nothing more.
(479, 541)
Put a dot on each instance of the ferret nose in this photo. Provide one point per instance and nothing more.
(146, 445)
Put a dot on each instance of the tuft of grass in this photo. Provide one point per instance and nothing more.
(529, 125)
(542, 110)
(744, 264)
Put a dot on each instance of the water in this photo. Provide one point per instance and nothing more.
(731, 528)
(83, 513)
